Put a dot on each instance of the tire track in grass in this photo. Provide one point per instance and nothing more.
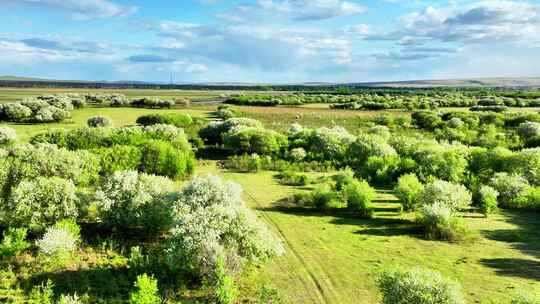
(322, 294)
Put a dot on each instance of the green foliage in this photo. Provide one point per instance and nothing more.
(14, 242)
(57, 242)
(226, 291)
(118, 158)
(213, 132)
(71, 226)
(408, 190)
(162, 158)
(292, 178)
(146, 291)
(512, 189)
(525, 298)
(7, 136)
(177, 119)
(359, 195)
(42, 294)
(254, 140)
(324, 197)
(419, 287)
(488, 200)
(440, 222)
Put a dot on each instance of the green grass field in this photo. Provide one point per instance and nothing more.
(335, 259)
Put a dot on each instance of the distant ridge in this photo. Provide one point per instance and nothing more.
(503, 82)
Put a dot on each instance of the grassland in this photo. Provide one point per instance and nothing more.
(336, 259)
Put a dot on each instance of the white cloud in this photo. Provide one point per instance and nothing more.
(311, 9)
(82, 9)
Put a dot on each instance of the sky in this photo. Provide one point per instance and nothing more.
(269, 41)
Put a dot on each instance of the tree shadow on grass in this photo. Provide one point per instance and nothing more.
(526, 237)
(528, 269)
(108, 284)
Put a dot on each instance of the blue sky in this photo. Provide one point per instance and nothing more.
(272, 41)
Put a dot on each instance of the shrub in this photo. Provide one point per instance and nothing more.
(42, 294)
(246, 163)
(419, 287)
(213, 132)
(99, 122)
(16, 112)
(324, 197)
(343, 178)
(41, 202)
(532, 201)
(162, 158)
(409, 190)
(512, 189)
(488, 200)
(529, 129)
(71, 226)
(14, 242)
(453, 196)
(359, 195)
(146, 291)
(212, 220)
(177, 119)
(7, 135)
(254, 140)
(57, 242)
(440, 223)
(130, 200)
(118, 158)
(293, 178)
(225, 289)
(297, 154)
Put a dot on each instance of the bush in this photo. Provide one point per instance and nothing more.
(16, 112)
(409, 190)
(146, 291)
(162, 158)
(70, 299)
(488, 200)
(71, 226)
(118, 158)
(41, 202)
(291, 178)
(225, 289)
(419, 287)
(525, 298)
(529, 129)
(212, 220)
(324, 197)
(14, 242)
(254, 140)
(42, 294)
(247, 163)
(177, 119)
(99, 122)
(359, 196)
(453, 196)
(512, 189)
(297, 154)
(7, 136)
(135, 200)
(57, 242)
(440, 223)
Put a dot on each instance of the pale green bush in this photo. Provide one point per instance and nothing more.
(359, 195)
(129, 199)
(512, 189)
(7, 135)
(211, 219)
(418, 287)
(41, 202)
(488, 200)
(440, 222)
(57, 242)
(70, 299)
(453, 196)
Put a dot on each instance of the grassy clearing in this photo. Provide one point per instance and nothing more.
(331, 259)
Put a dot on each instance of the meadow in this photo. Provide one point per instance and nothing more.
(331, 254)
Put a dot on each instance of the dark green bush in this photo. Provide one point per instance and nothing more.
(177, 119)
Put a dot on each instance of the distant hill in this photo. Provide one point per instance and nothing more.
(508, 82)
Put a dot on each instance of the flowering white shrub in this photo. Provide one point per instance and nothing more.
(371, 145)
(213, 132)
(57, 242)
(456, 123)
(297, 154)
(529, 129)
(7, 135)
(41, 202)
(212, 220)
(453, 196)
(164, 131)
(418, 286)
(528, 164)
(16, 112)
(99, 122)
(129, 199)
(70, 299)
